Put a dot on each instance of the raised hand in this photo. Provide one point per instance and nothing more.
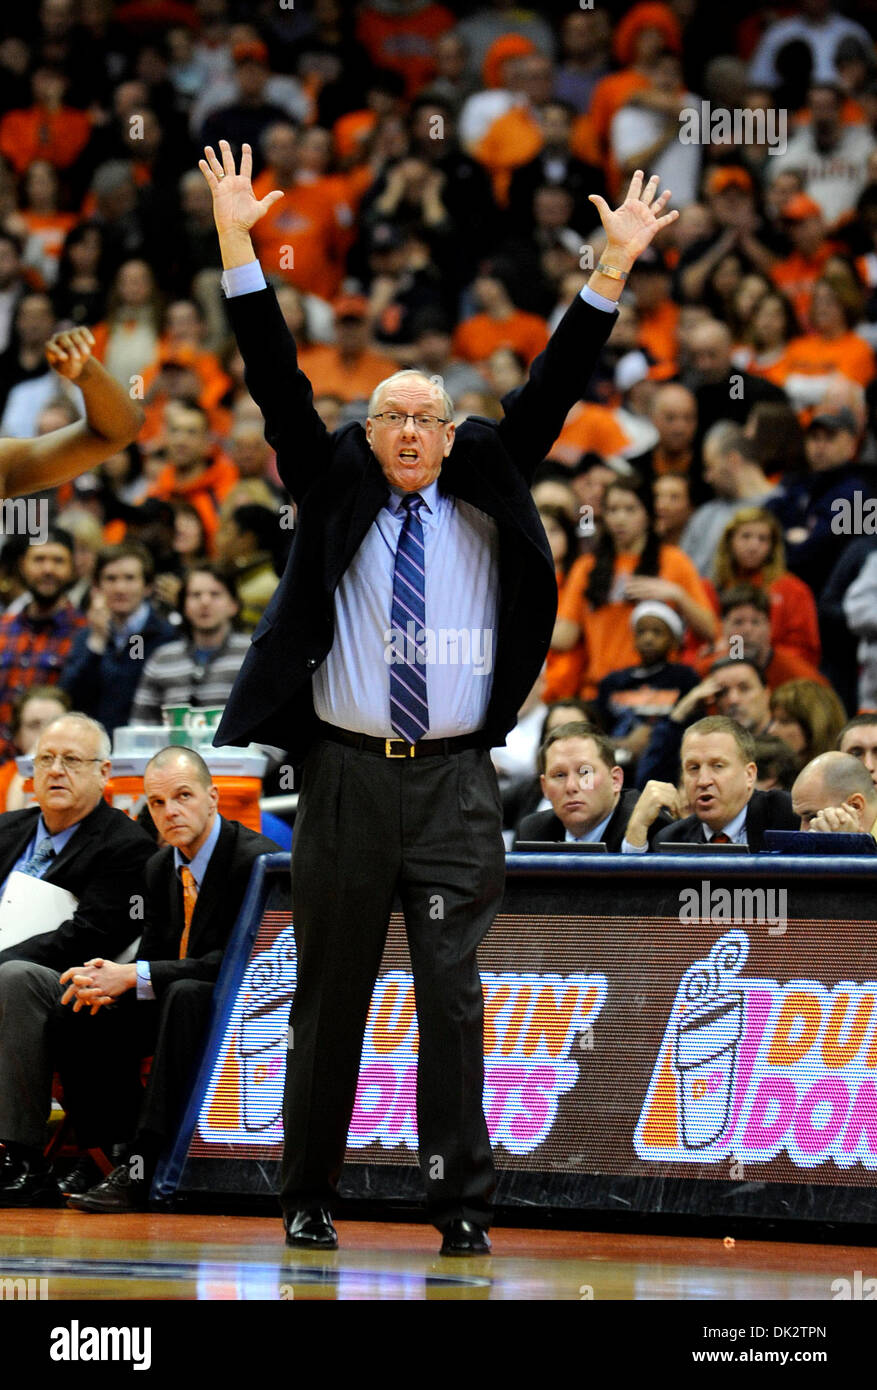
(67, 353)
(631, 227)
(235, 206)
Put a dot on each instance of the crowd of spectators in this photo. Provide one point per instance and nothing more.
(709, 499)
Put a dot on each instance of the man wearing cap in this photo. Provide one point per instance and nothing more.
(349, 369)
(809, 508)
(632, 699)
(731, 200)
(405, 529)
(832, 155)
(802, 220)
(244, 109)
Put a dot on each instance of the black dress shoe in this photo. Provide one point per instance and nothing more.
(465, 1238)
(28, 1182)
(311, 1230)
(118, 1193)
(81, 1178)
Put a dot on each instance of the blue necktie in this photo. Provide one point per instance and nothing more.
(409, 712)
(42, 856)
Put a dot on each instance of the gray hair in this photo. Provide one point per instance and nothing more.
(104, 746)
(435, 381)
(726, 437)
(842, 775)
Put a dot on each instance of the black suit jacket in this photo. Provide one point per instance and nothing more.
(216, 910)
(767, 811)
(103, 865)
(339, 488)
(545, 825)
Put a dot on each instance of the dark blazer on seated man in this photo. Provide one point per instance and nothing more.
(545, 825)
(766, 811)
(102, 865)
(112, 1043)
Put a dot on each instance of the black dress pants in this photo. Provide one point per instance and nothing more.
(99, 1059)
(368, 827)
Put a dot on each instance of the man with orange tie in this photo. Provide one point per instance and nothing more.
(161, 1001)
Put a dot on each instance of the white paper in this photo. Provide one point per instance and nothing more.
(31, 906)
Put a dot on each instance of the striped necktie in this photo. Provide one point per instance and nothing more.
(190, 897)
(409, 712)
(42, 856)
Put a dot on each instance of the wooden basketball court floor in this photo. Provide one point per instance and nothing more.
(201, 1257)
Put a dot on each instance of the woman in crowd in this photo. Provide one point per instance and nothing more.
(807, 717)
(752, 551)
(628, 564)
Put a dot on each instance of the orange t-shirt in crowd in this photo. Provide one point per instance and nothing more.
(330, 375)
(794, 623)
(204, 493)
(404, 43)
(37, 133)
(589, 428)
(813, 355)
(513, 139)
(304, 236)
(659, 332)
(479, 336)
(608, 638)
(7, 776)
(797, 274)
(213, 380)
(774, 371)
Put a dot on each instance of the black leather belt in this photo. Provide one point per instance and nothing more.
(400, 747)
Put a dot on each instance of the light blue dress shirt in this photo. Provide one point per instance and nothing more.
(58, 842)
(592, 837)
(198, 866)
(351, 689)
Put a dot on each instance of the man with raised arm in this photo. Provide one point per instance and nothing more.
(411, 621)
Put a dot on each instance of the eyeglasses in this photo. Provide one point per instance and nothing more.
(420, 422)
(69, 761)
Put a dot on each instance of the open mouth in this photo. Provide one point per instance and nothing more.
(409, 455)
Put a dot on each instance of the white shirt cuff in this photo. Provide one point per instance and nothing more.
(628, 848)
(144, 981)
(597, 301)
(246, 279)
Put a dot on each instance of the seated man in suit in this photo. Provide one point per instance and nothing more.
(582, 781)
(835, 792)
(718, 778)
(72, 839)
(195, 886)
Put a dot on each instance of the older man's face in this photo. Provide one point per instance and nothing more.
(68, 790)
(410, 455)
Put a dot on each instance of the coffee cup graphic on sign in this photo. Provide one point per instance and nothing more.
(707, 1040)
(264, 1032)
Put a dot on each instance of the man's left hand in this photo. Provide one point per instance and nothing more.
(836, 818)
(631, 227)
(97, 983)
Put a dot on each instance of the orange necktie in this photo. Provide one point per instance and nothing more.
(190, 897)
(721, 839)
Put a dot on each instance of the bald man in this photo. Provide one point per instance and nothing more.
(834, 792)
(722, 391)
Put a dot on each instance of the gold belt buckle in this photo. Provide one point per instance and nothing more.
(388, 752)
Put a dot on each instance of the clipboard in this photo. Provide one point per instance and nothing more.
(31, 906)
